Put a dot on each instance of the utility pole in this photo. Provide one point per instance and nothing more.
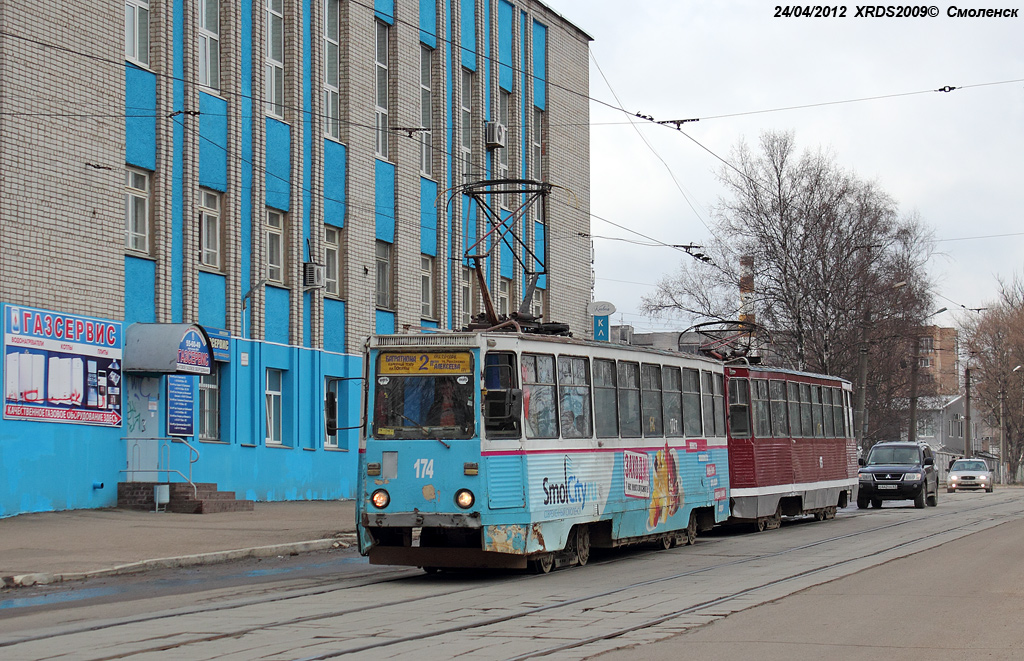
(1002, 436)
(915, 366)
(968, 449)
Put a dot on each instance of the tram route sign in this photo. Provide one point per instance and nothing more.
(440, 362)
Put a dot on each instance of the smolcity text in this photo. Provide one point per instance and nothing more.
(888, 11)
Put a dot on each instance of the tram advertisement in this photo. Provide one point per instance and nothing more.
(61, 367)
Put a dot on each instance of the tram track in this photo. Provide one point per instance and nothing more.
(406, 575)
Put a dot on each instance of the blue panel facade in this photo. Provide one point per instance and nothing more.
(334, 183)
(212, 300)
(213, 142)
(139, 283)
(469, 36)
(540, 66)
(385, 322)
(278, 300)
(508, 259)
(334, 325)
(140, 117)
(428, 217)
(385, 10)
(506, 18)
(279, 180)
(384, 179)
(428, 23)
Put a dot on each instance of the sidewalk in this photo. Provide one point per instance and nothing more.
(59, 546)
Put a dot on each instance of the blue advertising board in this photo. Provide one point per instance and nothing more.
(181, 395)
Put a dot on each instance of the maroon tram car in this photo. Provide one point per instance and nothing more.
(791, 445)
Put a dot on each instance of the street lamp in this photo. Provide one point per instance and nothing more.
(915, 366)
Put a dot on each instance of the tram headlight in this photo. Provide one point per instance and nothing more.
(464, 498)
(380, 499)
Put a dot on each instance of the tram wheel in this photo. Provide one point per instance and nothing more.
(762, 524)
(691, 530)
(830, 512)
(819, 515)
(667, 540)
(543, 564)
(582, 544)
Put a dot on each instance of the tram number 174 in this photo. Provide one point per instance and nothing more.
(424, 468)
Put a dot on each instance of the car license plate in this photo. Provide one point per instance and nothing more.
(886, 486)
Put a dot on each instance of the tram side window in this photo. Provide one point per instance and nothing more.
(780, 421)
(826, 412)
(574, 396)
(837, 412)
(691, 403)
(672, 384)
(650, 382)
(739, 408)
(502, 398)
(539, 396)
(719, 381)
(806, 422)
(816, 417)
(605, 407)
(714, 404)
(762, 408)
(794, 410)
(629, 399)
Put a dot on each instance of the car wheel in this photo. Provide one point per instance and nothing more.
(933, 500)
(876, 503)
(920, 497)
(862, 502)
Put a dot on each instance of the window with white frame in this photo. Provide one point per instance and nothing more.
(427, 286)
(209, 405)
(468, 296)
(136, 203)
(537, 307)
(383, 280)
(504, 102)
(332, 261)
(466, 143)
(275, 245)
(274, 62)
(274, 392)
(332, 72)
(504, 295)
(382, 89)
(426, 117)
(926, 344)
(209, 228)
(136, 31)
(209, 43)
(536, 148)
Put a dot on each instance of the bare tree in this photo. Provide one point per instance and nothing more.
(835, 265)
(994, 341)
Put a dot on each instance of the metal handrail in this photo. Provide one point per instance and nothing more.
(163, 450)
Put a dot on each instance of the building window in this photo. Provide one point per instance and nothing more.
(427, 286)
(426, 118)
(209, 228)
(537, 150)
(504, 101)
(136, 31)
(537, 307)
(275, 383)
(382, 89)
(209, 405)
(468, 296)
(209, 43)
(466, 146)
(275, 245)
(333, 388)
(927, 344)
(383, 288)
(332, 267)
(504, 295)
(332, 49)
(136, 202)
(274, 63)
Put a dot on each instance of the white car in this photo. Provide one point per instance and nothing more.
(969, 474)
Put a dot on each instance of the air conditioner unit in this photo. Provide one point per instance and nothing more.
(313, 275)
(495, 135)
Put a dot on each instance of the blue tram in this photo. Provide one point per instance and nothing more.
(505, 449)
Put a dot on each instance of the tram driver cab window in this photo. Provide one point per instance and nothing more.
(503, 399)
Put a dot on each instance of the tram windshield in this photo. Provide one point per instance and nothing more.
(423, 395)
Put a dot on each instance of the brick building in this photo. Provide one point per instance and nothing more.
(273, 179)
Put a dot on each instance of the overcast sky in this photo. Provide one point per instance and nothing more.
(954, 157)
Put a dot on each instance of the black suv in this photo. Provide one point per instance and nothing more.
(898, 471)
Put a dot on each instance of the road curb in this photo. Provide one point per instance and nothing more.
(199, 559)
